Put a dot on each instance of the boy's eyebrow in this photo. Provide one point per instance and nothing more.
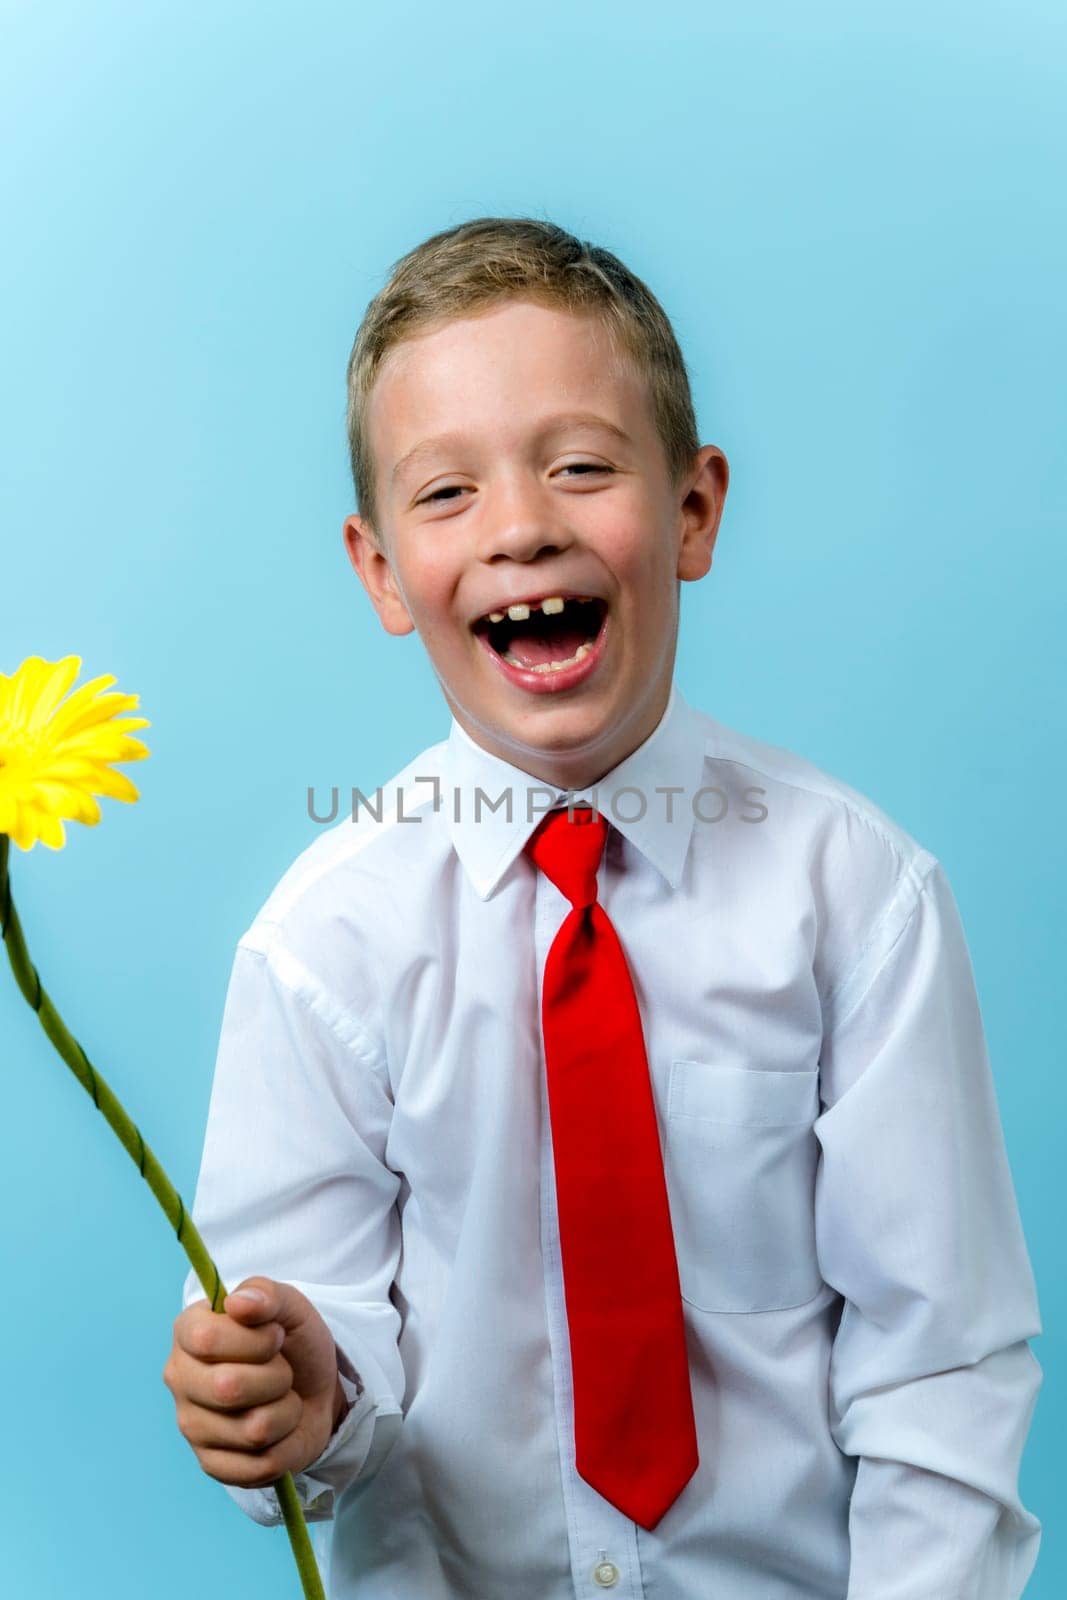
(556, 424)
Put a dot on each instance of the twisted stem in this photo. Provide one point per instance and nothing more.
(28, 979)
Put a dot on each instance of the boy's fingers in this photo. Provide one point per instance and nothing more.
(203, 1333)
(235, 1386)
(250, 1469)
(251, 1431)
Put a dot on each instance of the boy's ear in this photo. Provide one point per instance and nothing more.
(376, 575)
(701, 511)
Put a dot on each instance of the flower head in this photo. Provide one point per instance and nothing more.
(54, 758)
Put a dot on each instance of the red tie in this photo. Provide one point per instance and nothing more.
(635, 1437)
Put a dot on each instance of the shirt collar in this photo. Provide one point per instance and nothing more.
(488, 840)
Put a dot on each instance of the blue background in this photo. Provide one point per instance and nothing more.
(851, 216)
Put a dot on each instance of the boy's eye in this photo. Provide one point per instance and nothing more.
(569, 466)
(450, 488)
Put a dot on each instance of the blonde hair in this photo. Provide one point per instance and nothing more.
(476, 264)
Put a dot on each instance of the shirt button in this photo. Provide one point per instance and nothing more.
(605, 1573)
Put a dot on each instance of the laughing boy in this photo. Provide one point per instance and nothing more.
(602, 1130)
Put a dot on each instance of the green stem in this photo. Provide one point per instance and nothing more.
(153, 1174)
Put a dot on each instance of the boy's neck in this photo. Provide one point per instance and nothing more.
(578, 768)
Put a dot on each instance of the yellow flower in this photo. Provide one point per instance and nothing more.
(54, 758)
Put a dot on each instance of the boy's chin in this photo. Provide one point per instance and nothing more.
(549, 725)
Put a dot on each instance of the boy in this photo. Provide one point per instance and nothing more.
(697, 1271)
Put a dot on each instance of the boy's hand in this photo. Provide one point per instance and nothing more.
(256, 1385)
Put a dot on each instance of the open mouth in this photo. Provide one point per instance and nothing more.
(545, 635)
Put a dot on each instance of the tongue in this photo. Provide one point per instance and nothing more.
(534, 648)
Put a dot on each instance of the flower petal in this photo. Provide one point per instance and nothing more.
(53, 687)
(50, 830)
(102, 709)
(115, 784)
(76, 703)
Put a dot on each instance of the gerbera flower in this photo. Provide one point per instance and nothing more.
(54, 758)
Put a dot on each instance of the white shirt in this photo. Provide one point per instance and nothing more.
(857, 1291)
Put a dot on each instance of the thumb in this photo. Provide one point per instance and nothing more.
(255, 1300)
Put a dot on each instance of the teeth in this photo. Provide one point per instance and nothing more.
(551, 666)
(551, 606)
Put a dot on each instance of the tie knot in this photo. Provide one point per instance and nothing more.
(567, 847)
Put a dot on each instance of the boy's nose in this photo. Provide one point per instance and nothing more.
(521, 522)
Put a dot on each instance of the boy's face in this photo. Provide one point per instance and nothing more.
(516, 460)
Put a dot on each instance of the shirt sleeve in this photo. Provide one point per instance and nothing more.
(932, 1381)
(294, 1186)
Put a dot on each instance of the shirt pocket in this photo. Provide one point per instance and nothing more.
(740, 1159)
